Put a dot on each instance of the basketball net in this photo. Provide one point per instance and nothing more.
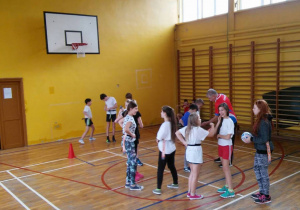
(79, 48)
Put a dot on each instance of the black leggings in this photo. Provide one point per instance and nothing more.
(233, 138)
(170, 160)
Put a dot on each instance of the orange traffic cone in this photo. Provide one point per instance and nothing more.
(71, 152)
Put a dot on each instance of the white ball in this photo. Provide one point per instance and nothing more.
(243, 136)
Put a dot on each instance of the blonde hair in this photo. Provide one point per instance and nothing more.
(192, 122)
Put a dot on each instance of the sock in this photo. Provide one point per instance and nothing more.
(107, 137)
(226, 185)
(230, 190)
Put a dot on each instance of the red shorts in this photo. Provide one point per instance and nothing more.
(225, 152)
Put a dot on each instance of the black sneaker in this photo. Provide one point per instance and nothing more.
(263, 199)
(256, 195)
(217, 160)
(221, 166)
(113, 139)
(107, 140)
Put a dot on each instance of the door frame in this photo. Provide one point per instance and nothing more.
(20, 81)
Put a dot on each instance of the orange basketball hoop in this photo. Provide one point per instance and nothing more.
(79, 48)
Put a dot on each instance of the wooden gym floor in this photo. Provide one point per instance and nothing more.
(42, 177)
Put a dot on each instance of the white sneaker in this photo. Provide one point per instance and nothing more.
(81, 141)
(91, 139)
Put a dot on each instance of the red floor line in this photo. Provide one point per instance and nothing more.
(26, 169)
(277, 166)
(115, 190)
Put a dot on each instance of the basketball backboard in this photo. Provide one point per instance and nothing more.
(63, 29)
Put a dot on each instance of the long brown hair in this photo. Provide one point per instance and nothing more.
(192, 122)
(225, 106)
(171, 116)
(264, 111)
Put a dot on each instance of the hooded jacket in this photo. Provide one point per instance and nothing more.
(264, 133)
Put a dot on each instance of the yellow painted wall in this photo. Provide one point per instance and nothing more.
(134, 35)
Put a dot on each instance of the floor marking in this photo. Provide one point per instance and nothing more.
(52, 161)
(56, 169)
(166, 171)
(280, 180)
(14, 196)
(38, 194)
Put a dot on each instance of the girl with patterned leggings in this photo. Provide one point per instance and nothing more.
(129, 127)
(264, 146)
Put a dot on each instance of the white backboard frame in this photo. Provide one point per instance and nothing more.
(63, 29)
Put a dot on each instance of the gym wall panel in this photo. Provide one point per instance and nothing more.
(253, 54)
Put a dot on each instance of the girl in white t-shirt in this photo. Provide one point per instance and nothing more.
(225, 131)
(166, 145)
(191, 136)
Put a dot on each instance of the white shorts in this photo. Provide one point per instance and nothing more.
(194, 154)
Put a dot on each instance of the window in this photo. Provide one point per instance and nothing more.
(198, 9)
(246, 4)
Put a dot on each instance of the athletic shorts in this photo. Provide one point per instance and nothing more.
(225, 151)
(111, 117)
(88, 122)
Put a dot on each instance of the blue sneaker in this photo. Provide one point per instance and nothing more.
(228, 194)
(136, 187)
(222, 190)
(127, 185)
(139, 162)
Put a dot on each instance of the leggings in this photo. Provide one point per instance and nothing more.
(131, 162)
(261, 172)
(170, 160)
(233, 138)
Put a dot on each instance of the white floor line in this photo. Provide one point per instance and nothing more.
(14, 196)
(156, 168)
(38, 194)
(280, 180)
(52, 161)
(34, 174)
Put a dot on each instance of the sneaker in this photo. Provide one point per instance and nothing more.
(256, 195)
(113, 139)
(217, 160)
(81, 141)
(127, 185)
(107, 140)
(188, 194)
(228, 194)
(196, 197)
(187, 169)
(136, 187)
(157, 191)
(92, 139)
(174, 186)
(221, 166)
(139, 162)
(222, 190)
(138, 176)
(263, 199)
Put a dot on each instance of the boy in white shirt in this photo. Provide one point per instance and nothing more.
(111, 113)
(88, 120)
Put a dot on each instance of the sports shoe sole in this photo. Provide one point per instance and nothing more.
(230, 196)
(201, 197)
(263, 202)
(172, 187)
(156, 193)
(137, 188)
